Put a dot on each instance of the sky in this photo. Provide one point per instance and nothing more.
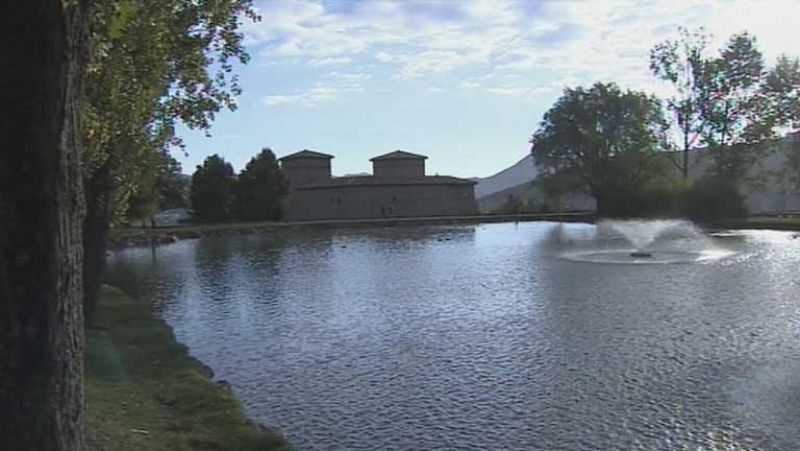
(464, 82)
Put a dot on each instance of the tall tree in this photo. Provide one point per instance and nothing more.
(782, 86)
(44, 51)
(737, 112)
(260, 188)
(212, 189)
(171, 185)
(156, 63)
(730, 102)
(605, 138)
(684, 64)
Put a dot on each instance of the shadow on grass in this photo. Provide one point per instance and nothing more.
(144, 391)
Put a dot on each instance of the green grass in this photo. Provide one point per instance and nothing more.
(144, 392)
(773, 222)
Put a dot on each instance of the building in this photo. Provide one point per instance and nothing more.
(774, 181)
(772, 185)
(398, 187)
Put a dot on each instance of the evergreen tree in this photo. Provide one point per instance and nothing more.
(212, 189)
(260, 188)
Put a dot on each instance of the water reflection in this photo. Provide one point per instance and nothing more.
(482, 337)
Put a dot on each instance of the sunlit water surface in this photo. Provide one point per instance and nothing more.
(490, 336)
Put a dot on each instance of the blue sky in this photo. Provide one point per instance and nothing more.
(464, 82)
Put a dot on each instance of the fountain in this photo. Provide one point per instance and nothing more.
(647, 241)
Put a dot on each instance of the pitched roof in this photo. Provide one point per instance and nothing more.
(305, 153)
(399, 155)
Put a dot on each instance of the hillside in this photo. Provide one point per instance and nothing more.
(517, 182)
(523, 171)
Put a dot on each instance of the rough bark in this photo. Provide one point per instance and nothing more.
(99, 202)
(41, 205)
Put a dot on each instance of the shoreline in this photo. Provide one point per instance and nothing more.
(144, 390)
(128, 237)
(131, 237)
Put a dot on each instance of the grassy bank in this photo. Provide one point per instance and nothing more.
(143, 236)
(144, 392)
(766, 222)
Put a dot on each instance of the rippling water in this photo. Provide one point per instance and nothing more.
(484, 337)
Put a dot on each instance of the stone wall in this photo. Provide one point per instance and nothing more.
(399, 168)
(302, 171)
(380, 201)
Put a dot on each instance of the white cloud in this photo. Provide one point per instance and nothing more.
(504, 42)
(330, 61)
(326, 90)
(313, 97)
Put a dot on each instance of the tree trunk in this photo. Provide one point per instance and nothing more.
(601, 201)
(95, 236)
(41, 207)
(685, 167)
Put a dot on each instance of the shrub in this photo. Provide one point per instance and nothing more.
(510, 206)
(660, 197)
(714, 198)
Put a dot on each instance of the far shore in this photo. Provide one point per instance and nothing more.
(133, 236)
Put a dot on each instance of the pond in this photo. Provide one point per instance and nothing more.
(489, 336)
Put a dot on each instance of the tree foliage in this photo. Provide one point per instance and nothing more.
(171, 185)
(730, 102)
(684, 64)
(737, 111)
(260, 188)
(782, 84)
(155, 64)
(606, 139)
(163, 187)
(212, 189)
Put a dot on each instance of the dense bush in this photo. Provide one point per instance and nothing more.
(659, 197)
(713, 199)
(510, 206)
(710, 199)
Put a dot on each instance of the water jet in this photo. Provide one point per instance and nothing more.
(646, 242)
